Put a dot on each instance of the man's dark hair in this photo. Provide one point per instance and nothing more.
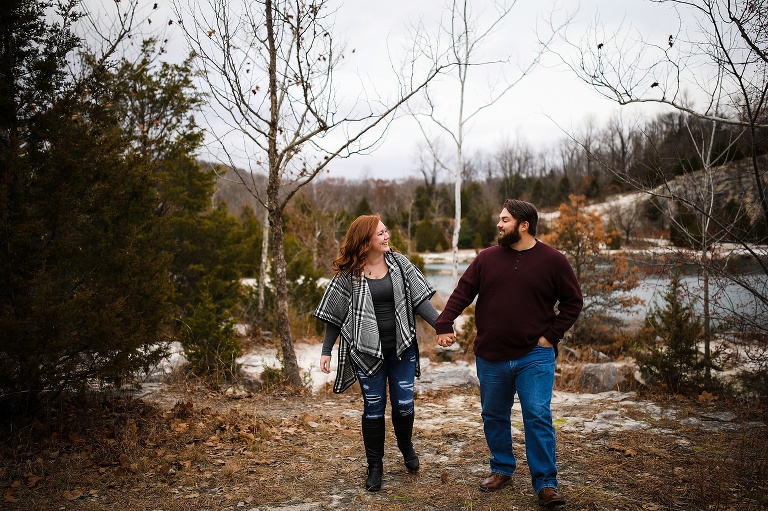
(523, 212)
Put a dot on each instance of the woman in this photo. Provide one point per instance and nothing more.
(370, 303)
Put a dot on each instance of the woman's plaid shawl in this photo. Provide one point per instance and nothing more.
(347, 303)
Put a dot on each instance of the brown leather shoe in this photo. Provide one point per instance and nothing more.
(495, 482)
(549, 497)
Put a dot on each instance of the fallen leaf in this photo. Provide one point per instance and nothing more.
(707, 397)
(183, 409)
(31, 479)
(620, 448)
(8, 496)
(247, 437)
(74, 494)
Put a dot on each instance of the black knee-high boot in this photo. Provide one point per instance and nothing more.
(404, 433)
(373, 438)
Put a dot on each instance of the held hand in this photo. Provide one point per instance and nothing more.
(325, 364)
(446, 340)
(544, 342)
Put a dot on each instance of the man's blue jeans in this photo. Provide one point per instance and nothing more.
(400, 374)
(532, 377)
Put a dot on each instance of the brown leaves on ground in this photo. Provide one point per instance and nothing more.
(208, 452)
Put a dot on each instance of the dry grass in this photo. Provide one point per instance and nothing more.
(191, 448)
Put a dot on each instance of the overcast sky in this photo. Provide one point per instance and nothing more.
(537, 110)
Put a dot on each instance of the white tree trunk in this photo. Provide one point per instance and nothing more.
(264, 266)
(457, 222)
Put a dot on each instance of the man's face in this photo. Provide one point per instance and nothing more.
(509, 229)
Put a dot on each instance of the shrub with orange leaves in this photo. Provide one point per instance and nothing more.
(606, 278)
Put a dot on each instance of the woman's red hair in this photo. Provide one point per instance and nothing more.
(356, 245)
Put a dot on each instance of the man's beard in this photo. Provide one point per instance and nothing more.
(509, 239)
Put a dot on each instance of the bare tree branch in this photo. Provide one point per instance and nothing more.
(270, 67)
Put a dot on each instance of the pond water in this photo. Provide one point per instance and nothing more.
(439, 275)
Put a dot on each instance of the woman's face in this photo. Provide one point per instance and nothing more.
(380, 240)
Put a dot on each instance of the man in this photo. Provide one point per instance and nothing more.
(519, 284)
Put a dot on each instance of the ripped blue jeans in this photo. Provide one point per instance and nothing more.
(400, 374)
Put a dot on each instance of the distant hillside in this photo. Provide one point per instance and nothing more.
(730, 188)
(231, 191)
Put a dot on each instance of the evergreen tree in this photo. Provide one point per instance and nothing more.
(83, 266)
(363, 207)
(478, 229)
(514, 186)
(537, 193)
(209, 260)
(210, 248)
(429, 237)
(670, 339)
(563, 189)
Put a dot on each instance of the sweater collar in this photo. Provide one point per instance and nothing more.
(535, 242)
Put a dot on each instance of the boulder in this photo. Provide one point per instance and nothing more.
(603, 377)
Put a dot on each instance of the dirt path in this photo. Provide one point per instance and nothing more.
(192, 449)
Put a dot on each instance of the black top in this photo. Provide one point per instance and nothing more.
(384, 305)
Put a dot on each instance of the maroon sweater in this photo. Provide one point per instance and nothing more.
(516, 296)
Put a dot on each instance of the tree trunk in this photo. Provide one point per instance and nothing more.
(707, 327)
(456, 225)
(264, 266)
(275, 209)
(758, 176)
(281, 294)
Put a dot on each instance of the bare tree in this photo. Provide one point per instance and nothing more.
(468, 36)
(269, 66)
(112, 26)
(718, 74)
(723, 65)
(515, 158)
(697, 193)
(430, 168)
(625, 218)
(619, 142)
